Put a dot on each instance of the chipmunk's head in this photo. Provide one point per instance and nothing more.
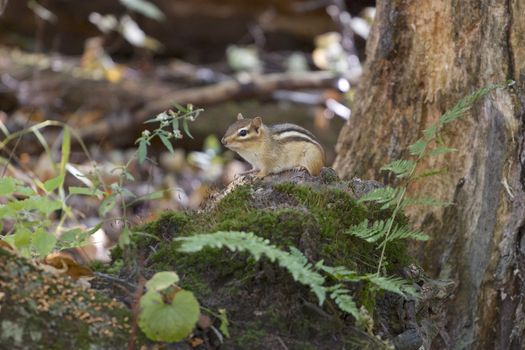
(244, 133)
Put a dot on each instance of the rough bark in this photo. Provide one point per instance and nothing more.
(422, 57)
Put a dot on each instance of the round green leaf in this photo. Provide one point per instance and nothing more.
(168, 322)
(162, 280)
(43, 242)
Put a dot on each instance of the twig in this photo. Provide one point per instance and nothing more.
(281, 342)
(136, 306)
(130, 286)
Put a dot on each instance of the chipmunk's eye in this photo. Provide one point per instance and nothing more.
(243, 132)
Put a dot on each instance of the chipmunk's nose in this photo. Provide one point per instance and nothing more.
(223, 141)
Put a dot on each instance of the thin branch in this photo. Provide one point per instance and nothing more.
(253, 86)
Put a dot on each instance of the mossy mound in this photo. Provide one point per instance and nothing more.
(39, 310)
(266, 308)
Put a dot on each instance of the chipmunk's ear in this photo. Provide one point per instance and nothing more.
(239, 116)
(257, 122)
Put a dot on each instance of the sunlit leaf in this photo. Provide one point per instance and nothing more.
(125, 238)
(74, 236)
(145, 8)
(41, 11)
(162, 280)
(132, 32)
(7, 186)
(46, 205)
(43, 242)
(24, 190)
(104, 23)
(22, 237)
(107, 204)
(54, 183)
(224, 323)
(85, 191)
(169, 322)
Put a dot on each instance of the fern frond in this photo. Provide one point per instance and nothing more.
(401, 167)
(428, 201)
(340, 273)
(465, 103)
(385, 195)
(295, 262)
(344, 300)
(404, 232)
(370, 233)
(431, 131)
(396, 285)
(430, 172)
(418, 148)
(441, 150)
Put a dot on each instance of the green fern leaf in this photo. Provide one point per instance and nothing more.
(340, 273)
(401, 167)
(431, 131)
(430, 172)
(295, 262)
(385, 195)
(404, 232)
(344, 300)
(370, 233)
(418, 148)
(465, 104)
(427, 201)
(396, 285)
(441, 150)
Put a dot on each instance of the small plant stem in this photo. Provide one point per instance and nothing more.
(389, 230)
(396, 209)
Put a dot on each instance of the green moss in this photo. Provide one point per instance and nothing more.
(314, 219)
(248, 338)
(326, 213)
(336, 211)
(196, 284)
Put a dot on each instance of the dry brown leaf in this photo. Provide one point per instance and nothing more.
(65, 264)
(194, 342)
(6, 246)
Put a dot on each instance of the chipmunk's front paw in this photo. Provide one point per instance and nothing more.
(246, 174)
(299, 168)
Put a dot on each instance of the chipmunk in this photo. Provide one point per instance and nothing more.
(274, 148)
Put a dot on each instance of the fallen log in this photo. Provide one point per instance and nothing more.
(253, 86)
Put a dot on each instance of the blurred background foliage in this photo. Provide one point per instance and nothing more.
(104, 67)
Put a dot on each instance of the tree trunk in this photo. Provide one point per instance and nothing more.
(422, 57)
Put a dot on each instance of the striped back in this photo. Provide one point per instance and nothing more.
(291, 132)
